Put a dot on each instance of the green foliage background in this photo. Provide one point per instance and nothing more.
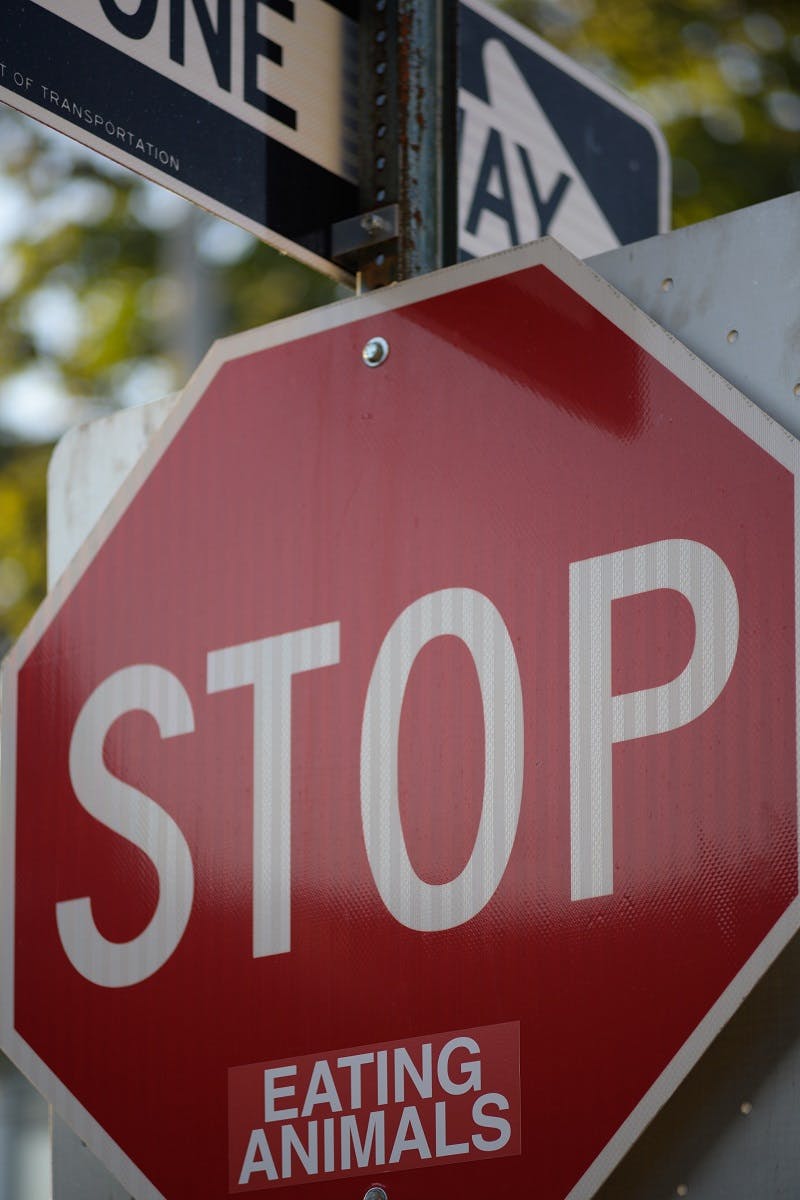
(107, 291)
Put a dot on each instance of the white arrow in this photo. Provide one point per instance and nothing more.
(517, 181)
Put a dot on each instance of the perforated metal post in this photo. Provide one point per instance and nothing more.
(427, 44)
(407, 171)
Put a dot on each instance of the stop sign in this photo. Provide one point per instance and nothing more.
(402, 782)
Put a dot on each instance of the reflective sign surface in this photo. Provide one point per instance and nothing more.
(402, 784)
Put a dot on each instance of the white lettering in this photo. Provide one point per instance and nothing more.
(382, 1061)
(444, 1148)
(470, 1070)
(135, 817)
(486, 1120)
(273, 1093)
(268, 667)
(248, 58)
(468, 615)
(598, 720)
(257, 1158)
(355, 1062)
(422, 1079)
(306, 1154)
(369, 1152)
(321, 1089)
(410, 1136)
(329, 1151)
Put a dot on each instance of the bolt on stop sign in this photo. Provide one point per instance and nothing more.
(401, 785)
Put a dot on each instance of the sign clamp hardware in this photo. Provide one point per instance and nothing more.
(366, 244)
(359, 240)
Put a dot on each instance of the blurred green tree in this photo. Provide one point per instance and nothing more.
(22, 535)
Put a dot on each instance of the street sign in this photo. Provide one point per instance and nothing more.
(402, 782)
(252, 114)
(548, 147)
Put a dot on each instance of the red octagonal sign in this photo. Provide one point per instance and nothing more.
(399, 739)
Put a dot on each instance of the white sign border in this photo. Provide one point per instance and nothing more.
(655, 341)
(594, 83)
(153, 174)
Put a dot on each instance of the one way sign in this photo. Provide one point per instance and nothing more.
(546, 147)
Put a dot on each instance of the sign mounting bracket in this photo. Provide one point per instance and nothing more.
(407, 147)
(358, 241)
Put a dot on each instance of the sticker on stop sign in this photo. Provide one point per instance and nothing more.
(406, 728)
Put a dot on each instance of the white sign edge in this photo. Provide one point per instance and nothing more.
(597, 84)
(664, 348)
(171, 182)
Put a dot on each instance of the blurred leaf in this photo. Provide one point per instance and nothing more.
(22, 537)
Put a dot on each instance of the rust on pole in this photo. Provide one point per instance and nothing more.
(407, 168)
(426, 135)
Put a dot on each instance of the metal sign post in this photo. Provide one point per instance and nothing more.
(327, 127)
(427, 135)
(407, 164)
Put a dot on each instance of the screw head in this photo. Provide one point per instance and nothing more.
(375, 352)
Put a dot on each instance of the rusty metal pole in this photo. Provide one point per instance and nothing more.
(427, 111)
(407, 168)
